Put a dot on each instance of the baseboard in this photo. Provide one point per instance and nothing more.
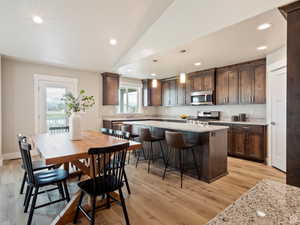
(16, 155)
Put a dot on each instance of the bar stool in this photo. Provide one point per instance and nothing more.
(175, 141)
(128, 128)
(146, 137)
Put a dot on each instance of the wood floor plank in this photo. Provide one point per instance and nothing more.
(153, 201)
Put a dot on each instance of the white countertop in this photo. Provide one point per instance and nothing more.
(254, 122)
(179, 126)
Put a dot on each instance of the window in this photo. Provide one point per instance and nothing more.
(129, 100)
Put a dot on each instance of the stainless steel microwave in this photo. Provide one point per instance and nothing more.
(202, 98)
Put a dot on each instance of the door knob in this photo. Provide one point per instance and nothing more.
(273, 123)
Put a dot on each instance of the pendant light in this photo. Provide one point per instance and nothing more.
(154, 80)
(154, 83)
(182, 75)
(182, 78)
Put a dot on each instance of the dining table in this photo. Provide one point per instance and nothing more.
(60, 150)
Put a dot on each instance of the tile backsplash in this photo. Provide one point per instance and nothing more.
(254, 112)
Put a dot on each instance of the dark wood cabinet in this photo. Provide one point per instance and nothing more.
(173, 92)
(110, 87)
(202, 80)
(152, 96)
(181, 93)
(227, 86)
(252, 82)
(248, 141)
(243, 83)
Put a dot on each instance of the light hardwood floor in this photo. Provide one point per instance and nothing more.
(152, 202)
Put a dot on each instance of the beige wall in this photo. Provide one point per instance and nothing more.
(0, 114)
(18, 98)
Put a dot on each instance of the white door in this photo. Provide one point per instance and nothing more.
(50, 109)
(278, 118)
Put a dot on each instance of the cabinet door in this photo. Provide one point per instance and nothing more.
(246, 84)
(188, 89)
(155, 94)
(207, 82)
(256, 143)
(165, 93)
(221, 87)
(238, 141)
(197, 83)
(173, 96)
(233, 87)
(180, 93)
(259, 92)
(110, 89)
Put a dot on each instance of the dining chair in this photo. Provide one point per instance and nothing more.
(36, 165)
(175, 141)
(106, 179)
(42, 179)
(104, 130)
(123, 135)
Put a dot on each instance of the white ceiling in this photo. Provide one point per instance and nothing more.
(75, 33)
(234, 44)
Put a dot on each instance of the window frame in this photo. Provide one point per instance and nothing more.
(139, 100)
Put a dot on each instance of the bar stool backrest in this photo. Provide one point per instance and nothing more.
(145, 134)
(174, 139)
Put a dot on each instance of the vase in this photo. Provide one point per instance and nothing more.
(75, 126)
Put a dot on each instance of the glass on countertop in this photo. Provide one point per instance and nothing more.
(198, 123)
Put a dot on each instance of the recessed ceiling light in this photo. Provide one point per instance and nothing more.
(113, 41)
(197, 63)
(262, 48)
(37, 19)
(153, 74)
(264, 26)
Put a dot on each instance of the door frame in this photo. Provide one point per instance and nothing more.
(272, 69)
(37, 78)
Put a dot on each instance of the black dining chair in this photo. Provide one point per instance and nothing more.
(41, 179)
(104, 130)
(37, 165)
(106, 179)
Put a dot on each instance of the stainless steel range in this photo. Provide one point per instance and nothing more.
(208, 115)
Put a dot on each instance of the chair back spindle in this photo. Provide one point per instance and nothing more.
(108, 167)
(25, 149)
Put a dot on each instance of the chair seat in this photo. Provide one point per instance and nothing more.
(188, 145)
(154, 138)
(51, 177)
(103, 186)
(39, 165)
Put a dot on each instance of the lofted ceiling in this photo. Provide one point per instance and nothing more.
(231, 45)
(75, 33)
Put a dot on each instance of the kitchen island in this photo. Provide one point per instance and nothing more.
(211, 145)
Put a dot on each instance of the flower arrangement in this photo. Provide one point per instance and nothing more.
(77, 104)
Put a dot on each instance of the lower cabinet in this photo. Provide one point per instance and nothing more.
(247, 141)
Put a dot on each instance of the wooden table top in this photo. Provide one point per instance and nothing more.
(59, 148)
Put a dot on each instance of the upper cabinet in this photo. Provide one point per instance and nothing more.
(242, 83)
(110, 87)
(202, 80)
(169, 92)
(152, 96)
(227, 86)
(252, 82)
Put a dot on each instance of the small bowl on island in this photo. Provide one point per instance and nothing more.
(184, 116)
